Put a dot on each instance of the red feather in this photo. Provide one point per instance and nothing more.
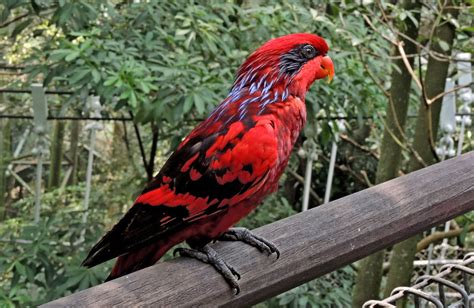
(228, 164)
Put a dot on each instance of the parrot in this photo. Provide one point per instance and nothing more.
(225, 167)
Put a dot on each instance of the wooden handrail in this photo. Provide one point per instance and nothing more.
(311, 243)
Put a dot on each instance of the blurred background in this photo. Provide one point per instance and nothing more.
(94, 96)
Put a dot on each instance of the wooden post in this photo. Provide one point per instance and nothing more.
(312, 244)
(5, 157)
(95, 107)
(465, 70)
(310, 156)
(40, 108)
(332, 162)
(447, 123)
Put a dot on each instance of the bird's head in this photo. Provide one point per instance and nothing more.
(289, 63)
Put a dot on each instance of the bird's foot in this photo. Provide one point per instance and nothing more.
(244, 235)
(208, 255)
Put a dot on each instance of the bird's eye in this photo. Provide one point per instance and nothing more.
(308, 51)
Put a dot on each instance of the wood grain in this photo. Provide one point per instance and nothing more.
(311, 244)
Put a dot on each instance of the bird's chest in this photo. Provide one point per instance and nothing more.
(289, 118)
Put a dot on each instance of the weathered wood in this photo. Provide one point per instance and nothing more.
(312, 243)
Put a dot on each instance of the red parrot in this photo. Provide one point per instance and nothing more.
(225, 167)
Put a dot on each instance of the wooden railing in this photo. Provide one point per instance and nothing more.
(311, 243)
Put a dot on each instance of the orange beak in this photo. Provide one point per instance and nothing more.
(328, 67)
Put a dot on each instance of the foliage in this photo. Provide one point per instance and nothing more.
(274, 208)
(45, 263)
(169, 63)
(163, 60)
(42, 262)
(331, 290)
(47, 266)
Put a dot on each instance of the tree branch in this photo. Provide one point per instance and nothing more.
(44, 11)
(154, 144)
(300, 179)
(429, 101)
(359, 146)
(438, 56)
(19, 17)
(408, 147)
(140, 144)
(347, 169)
(371, 75)
(437, 236)
(401, 50)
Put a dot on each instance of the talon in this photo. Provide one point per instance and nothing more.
(244, 235)
(176, 252)
(235, 273)
(208, 255)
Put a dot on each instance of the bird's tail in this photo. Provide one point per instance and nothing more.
(137, 260)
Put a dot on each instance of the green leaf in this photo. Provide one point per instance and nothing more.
(95, 75)
(30, 274)
(403, 15)
(199, 103)
(79, 75)
(64, 13)
(303, 301)
(49, 77)
(356, 41)
(59, 54)
(464, 232)
(149, 36)
(4, 15)
(74, 280)
(84, 282)
(188, 104)
(111, 80)
(182, 31)
(444, 46)
(286, 299)
(20, 27)
(144, 86)
(133, 99)
(412, 18)
(35, 7)
(72, 56)
(125, 94)
(11, 4)
(20, 268)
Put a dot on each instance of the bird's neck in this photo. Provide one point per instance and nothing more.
(290, 115)
(288, 118)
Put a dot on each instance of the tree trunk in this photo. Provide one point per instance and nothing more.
(74, 151)
(369, 276)
(56, 155)
(401, 265)
(154, 144)
(119, 149)
(5, 156)
(370, 272)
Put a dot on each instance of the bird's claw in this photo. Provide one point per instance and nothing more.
(208, 255)
(244, 235)
(177, 251)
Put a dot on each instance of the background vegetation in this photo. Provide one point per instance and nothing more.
(167, 64)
